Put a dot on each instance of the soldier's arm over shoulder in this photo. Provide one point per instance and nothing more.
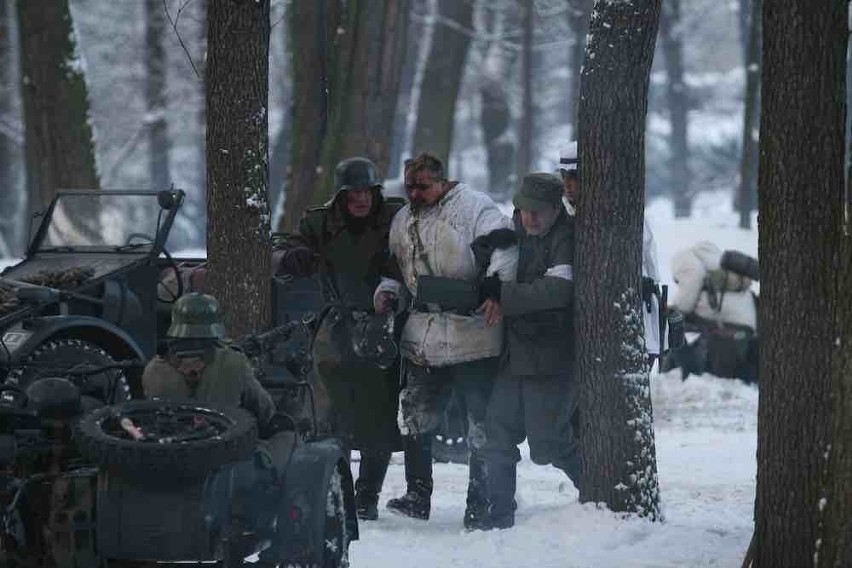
(553, 290)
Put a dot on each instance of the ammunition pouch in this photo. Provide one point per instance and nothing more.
(543, 325)
(446, 294)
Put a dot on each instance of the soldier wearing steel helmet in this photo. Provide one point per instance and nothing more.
(199, 365)
(346, 243)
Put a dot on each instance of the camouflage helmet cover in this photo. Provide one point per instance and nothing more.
(354, 173)
(196, 316)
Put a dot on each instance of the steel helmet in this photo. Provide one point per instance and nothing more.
(355, 172)
(196, 316)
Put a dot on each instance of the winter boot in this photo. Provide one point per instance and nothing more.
(371, 476)
(501, 483)
(476, 511)
(417, 501)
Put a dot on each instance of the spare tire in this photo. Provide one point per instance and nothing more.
(166, 440)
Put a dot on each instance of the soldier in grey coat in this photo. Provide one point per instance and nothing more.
(534, 395)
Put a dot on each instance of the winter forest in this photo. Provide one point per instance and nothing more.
(720, 126)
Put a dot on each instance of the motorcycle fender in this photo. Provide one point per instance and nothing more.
(24, 338)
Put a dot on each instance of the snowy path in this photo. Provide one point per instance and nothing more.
(706, 437)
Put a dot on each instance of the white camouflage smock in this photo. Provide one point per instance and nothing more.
(446, 231)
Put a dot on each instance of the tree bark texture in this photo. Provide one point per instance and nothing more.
(495, 111)
(442, 78)
(747, 190)
(578, 22)
(363, 87)
(238, 243)
(59, 144)
(677, 95)
(525, 123)
(313, 32)
(11, 141)
(155, 98)
(803, 506)
(616, 418)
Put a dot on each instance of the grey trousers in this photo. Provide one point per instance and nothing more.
(540, 409)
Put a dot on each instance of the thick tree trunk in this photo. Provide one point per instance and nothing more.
(803, 506)
(579, 12)
(11, 141)
(238, 244)
(617, 434)
(155, 98)
(407, 77)
(671, 38)
(363, 87)
(59, 145)
(747, 190)
(525, 126)
(442, 78)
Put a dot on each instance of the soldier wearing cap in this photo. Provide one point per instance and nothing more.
(346, 243)
(199, 365)
(534, 396)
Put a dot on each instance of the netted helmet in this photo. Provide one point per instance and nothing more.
(196, 316)
(355, 172)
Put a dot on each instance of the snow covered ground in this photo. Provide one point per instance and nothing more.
(706, 439)
(706, 436)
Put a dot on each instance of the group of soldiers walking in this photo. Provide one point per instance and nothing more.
(481, 305)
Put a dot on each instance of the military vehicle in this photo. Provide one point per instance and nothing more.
(92, 474)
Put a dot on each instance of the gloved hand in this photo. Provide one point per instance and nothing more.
(489, 289)
(299, 261)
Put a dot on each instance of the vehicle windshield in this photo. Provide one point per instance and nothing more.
(117, 221)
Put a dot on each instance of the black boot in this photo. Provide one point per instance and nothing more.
(476, 511)
(502, 478)
(371, 476)
(417, 501)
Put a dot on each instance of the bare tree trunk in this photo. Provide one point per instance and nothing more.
(202, 108)
(313, 32)
(363, 87)
(579, 12)
(442, 78)
(279, 157)
(671, 37)
(238, 244)
(408, 73)
(616, 418)
(747, 190)
(525, 129)
(495, 111)
(59, 145)
(155, 99)
(803, 509)
(11, 141)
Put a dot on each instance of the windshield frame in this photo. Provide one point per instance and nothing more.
(156, 248)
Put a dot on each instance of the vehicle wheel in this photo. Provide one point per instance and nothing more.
(157, 440)
(336, 547)
(57, 356)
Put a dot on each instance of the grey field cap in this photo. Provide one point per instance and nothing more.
(539, 191)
